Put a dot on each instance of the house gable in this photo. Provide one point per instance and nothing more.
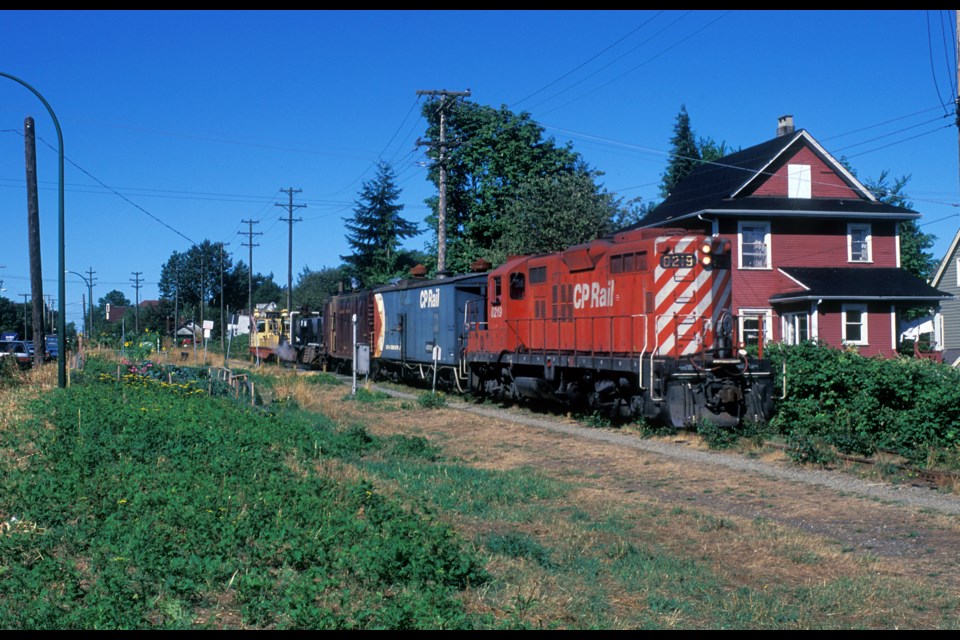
(758, 181)
(821, 177)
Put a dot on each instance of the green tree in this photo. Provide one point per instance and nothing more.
(195, 273)
(710, 150)
(10, 316)
(578, 211)
(377, 229)
(492, 157)
(314, 287)
(915, 256)
(266, 290)
(115, 298)
(684, 153)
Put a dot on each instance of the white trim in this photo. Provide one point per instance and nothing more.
(767, 242)
(896, 241)
(893, 328)
(864, 337)
(868, 240)
(938, 329)
(789, 325)
(815, 320)
(767, 315)
(805, 287)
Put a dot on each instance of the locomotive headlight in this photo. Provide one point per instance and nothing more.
(706, 248)
(706, 259)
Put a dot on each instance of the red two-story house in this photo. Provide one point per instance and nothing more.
(814, 254)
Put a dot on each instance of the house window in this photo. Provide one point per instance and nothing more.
(798, 181)
(796, 328)
(854, 319)
(859, 241)
(751, 322)
(754, 245)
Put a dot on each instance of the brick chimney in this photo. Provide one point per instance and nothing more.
(784, 125)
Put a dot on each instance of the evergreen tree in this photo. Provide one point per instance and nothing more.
(376, 230)
(684, 153)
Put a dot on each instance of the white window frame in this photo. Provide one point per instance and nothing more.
(868, 241)
(958, 271)
(799, 183)
(790, 325)
(766, 314)
(862, 308)
(766, 243)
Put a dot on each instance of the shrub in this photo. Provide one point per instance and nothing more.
(715, 436)
(860, 405)
(431, 400)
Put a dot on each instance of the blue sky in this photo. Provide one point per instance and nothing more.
(179, 125)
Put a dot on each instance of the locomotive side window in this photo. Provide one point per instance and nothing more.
(518, 285)
(628, 262)
(538, 275)
(496, 290)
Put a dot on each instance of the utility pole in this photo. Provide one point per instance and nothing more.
(441, 147)
(249, 243)
(136, 309)
(222, 245)
(290, 221)
(33, 233)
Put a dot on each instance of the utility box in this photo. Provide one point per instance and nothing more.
(363, 359)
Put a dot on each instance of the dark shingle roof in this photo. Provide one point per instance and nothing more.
(711, 187)
(839, 283)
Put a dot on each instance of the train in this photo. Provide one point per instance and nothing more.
(636, 324)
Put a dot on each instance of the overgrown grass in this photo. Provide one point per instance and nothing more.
(154, 506)
(144, 505)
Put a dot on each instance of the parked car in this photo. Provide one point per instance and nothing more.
(53, 347)
(18, 350)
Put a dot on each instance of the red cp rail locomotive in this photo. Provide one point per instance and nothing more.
(636, 324)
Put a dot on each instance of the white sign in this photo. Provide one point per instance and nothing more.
(207, 325)
(436, 353)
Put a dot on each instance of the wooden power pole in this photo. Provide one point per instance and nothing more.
(290, 207)
(33, 228)
(441, 147)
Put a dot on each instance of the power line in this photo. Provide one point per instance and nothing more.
(588, 61)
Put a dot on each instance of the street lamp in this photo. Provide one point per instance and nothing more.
(90, 299)
(62, 280)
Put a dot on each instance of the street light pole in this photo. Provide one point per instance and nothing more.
(61, 302)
